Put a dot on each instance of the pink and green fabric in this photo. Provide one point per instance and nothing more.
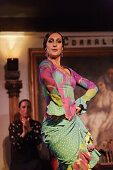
(66, 134)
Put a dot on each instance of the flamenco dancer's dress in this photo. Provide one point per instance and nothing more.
(62, 130)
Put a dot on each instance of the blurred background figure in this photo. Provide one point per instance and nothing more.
(100, 112)
(108, 78)
(26, 141)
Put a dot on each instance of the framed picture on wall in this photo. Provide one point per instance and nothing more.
(95, 64)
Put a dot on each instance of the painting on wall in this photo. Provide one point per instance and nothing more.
(99, 115)
(93, 64)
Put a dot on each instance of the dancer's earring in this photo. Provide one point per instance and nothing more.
(62, 54)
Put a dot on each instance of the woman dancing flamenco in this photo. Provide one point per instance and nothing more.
(63, 130)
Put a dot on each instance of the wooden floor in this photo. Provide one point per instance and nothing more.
(105, 166)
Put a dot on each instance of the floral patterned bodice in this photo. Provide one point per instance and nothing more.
(58, 89)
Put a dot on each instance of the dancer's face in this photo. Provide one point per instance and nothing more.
(54, 45)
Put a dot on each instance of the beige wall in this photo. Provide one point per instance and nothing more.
(13, 45)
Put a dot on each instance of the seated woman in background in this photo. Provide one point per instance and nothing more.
(26, 141)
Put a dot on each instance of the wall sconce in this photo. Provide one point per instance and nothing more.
(12, 85)
(12, 64)
(11, 69)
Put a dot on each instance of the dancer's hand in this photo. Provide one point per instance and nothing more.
(78, 109)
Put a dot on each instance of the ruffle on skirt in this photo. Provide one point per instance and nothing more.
(71, 143)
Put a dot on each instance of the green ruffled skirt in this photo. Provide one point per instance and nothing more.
(69, 141)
